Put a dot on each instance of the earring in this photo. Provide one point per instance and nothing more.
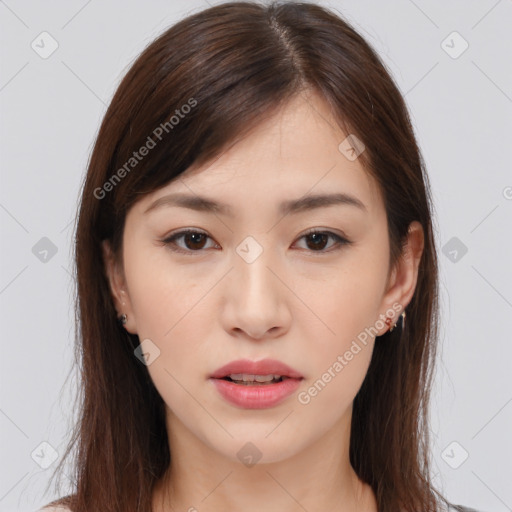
(123, 319)
(401, 319)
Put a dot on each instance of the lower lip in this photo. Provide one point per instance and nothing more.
(257, 396)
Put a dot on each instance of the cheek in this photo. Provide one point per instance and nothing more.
(167, 305)
(339, 358)
(169, 311)
(348, 300)
(333, 390)
(348, 305)
(342, 354)
(162, 294)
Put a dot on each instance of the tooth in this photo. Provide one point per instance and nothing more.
(243, 377)
(263, 378)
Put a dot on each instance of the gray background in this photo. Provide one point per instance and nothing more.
(461, 106)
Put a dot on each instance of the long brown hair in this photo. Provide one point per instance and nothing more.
(234, 65)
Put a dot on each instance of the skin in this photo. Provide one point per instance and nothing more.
(298, 302)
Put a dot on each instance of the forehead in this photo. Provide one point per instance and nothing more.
(299, 150)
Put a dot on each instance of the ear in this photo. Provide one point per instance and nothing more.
(117, 284)
(404, 276)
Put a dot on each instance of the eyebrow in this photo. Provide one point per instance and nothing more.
(305, 203)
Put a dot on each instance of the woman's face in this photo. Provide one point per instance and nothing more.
(253, 284)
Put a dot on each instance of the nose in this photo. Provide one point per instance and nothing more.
(255, 300)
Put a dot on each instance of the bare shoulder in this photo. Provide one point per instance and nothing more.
(55, 508)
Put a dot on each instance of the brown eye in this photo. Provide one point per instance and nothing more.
(316, 241)
(193, 241)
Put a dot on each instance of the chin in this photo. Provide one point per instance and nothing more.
(257, 446)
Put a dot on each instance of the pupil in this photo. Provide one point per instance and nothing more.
(320, 237)
(193, 235)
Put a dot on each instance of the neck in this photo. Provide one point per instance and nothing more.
(318, 477)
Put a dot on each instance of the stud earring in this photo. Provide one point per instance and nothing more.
(401, 319)
(123, 319)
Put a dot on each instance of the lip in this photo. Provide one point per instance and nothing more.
(262, 367)
(256, 396)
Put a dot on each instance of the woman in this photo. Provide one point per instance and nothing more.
(257, 277)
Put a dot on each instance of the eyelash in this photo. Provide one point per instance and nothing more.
(170, 240)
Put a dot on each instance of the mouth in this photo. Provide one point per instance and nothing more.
(261, 384)
(264, 371)
(254, 380)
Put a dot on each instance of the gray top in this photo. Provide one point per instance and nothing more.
(454, 508)
(462, 508)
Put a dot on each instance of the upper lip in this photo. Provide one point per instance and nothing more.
(262, 367)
